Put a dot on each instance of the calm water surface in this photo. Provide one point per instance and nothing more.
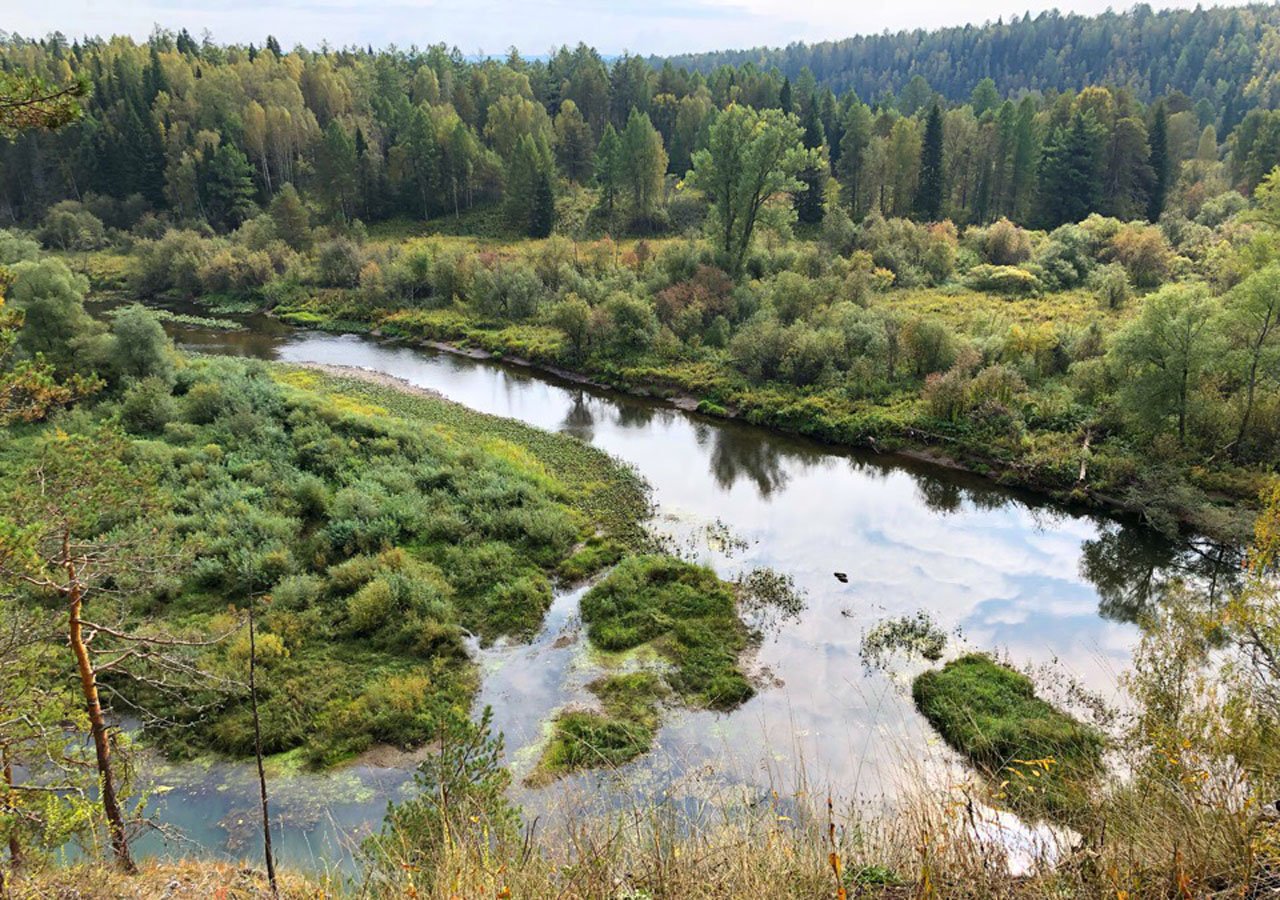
(1035, 582)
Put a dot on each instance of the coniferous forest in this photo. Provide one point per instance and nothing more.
(1004, 298)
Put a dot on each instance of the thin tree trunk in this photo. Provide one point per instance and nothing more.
(1248, 408)
(101, 746)
(257, 750)
(15, 847)
(1182, 409)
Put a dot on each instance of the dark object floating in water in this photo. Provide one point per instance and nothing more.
(842, 578)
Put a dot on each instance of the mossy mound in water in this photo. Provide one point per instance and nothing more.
(1041, 758)
(689, 617)
(623, 729)
(688, 614)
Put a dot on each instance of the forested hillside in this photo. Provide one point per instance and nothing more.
(1043, 121)
(1212, 55)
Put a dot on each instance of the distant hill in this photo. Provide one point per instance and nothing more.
(1207, 54)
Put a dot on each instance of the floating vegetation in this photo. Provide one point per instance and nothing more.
(916, 635)
(685, 619)
(165, 315)
(721, 538)
(230, 306)
(768, 596)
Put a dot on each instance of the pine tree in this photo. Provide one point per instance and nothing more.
(642, 162)
(858, 126)
(931, 188)
(1026, 151)
(608, 169)
(292, 221)
(336, 172)
(530, 194)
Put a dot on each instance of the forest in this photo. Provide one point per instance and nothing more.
(1045, 253)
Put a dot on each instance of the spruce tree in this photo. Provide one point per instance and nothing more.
(1069, 171)
(811, 201)
(542, 218)
(931, 188)
(1159, 141)
(227, 188)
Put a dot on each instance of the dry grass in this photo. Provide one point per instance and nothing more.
(941, 842)
(170, 881)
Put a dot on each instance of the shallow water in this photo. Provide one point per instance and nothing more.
(1005, 572)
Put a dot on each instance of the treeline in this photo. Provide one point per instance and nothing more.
(180, 132)
(1212, 55)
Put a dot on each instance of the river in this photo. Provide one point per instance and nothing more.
(1003, 572)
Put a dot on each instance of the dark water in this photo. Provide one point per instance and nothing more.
(1032, 581)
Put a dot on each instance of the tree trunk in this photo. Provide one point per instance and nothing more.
(101, 746)
(257, 750)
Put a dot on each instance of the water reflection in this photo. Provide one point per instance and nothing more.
(736, 454)
(579, 420)
(1131, 568)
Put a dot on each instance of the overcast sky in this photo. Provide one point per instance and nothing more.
(639, 26)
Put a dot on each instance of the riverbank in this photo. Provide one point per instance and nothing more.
(1220, 505)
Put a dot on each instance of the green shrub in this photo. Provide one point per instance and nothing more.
(1008, 280)
(148, 406)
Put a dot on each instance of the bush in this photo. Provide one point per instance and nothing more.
(928, 346)
(1145, 254)
(1005, 244)
(1008, 280)
(1217, 210)
(1111, 285)
(758, 348)
(507, 293)
(148, 406)
(810, 353)
(170, 265)
(371, 607)
(338, 263)
(140, 348)
(69, 226)
(15, 248)
(839, 233)
(1066, 259)
(235, 270)
(631, 325)
(915, 254)
(946, 395)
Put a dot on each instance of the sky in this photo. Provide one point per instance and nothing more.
(534, 26)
